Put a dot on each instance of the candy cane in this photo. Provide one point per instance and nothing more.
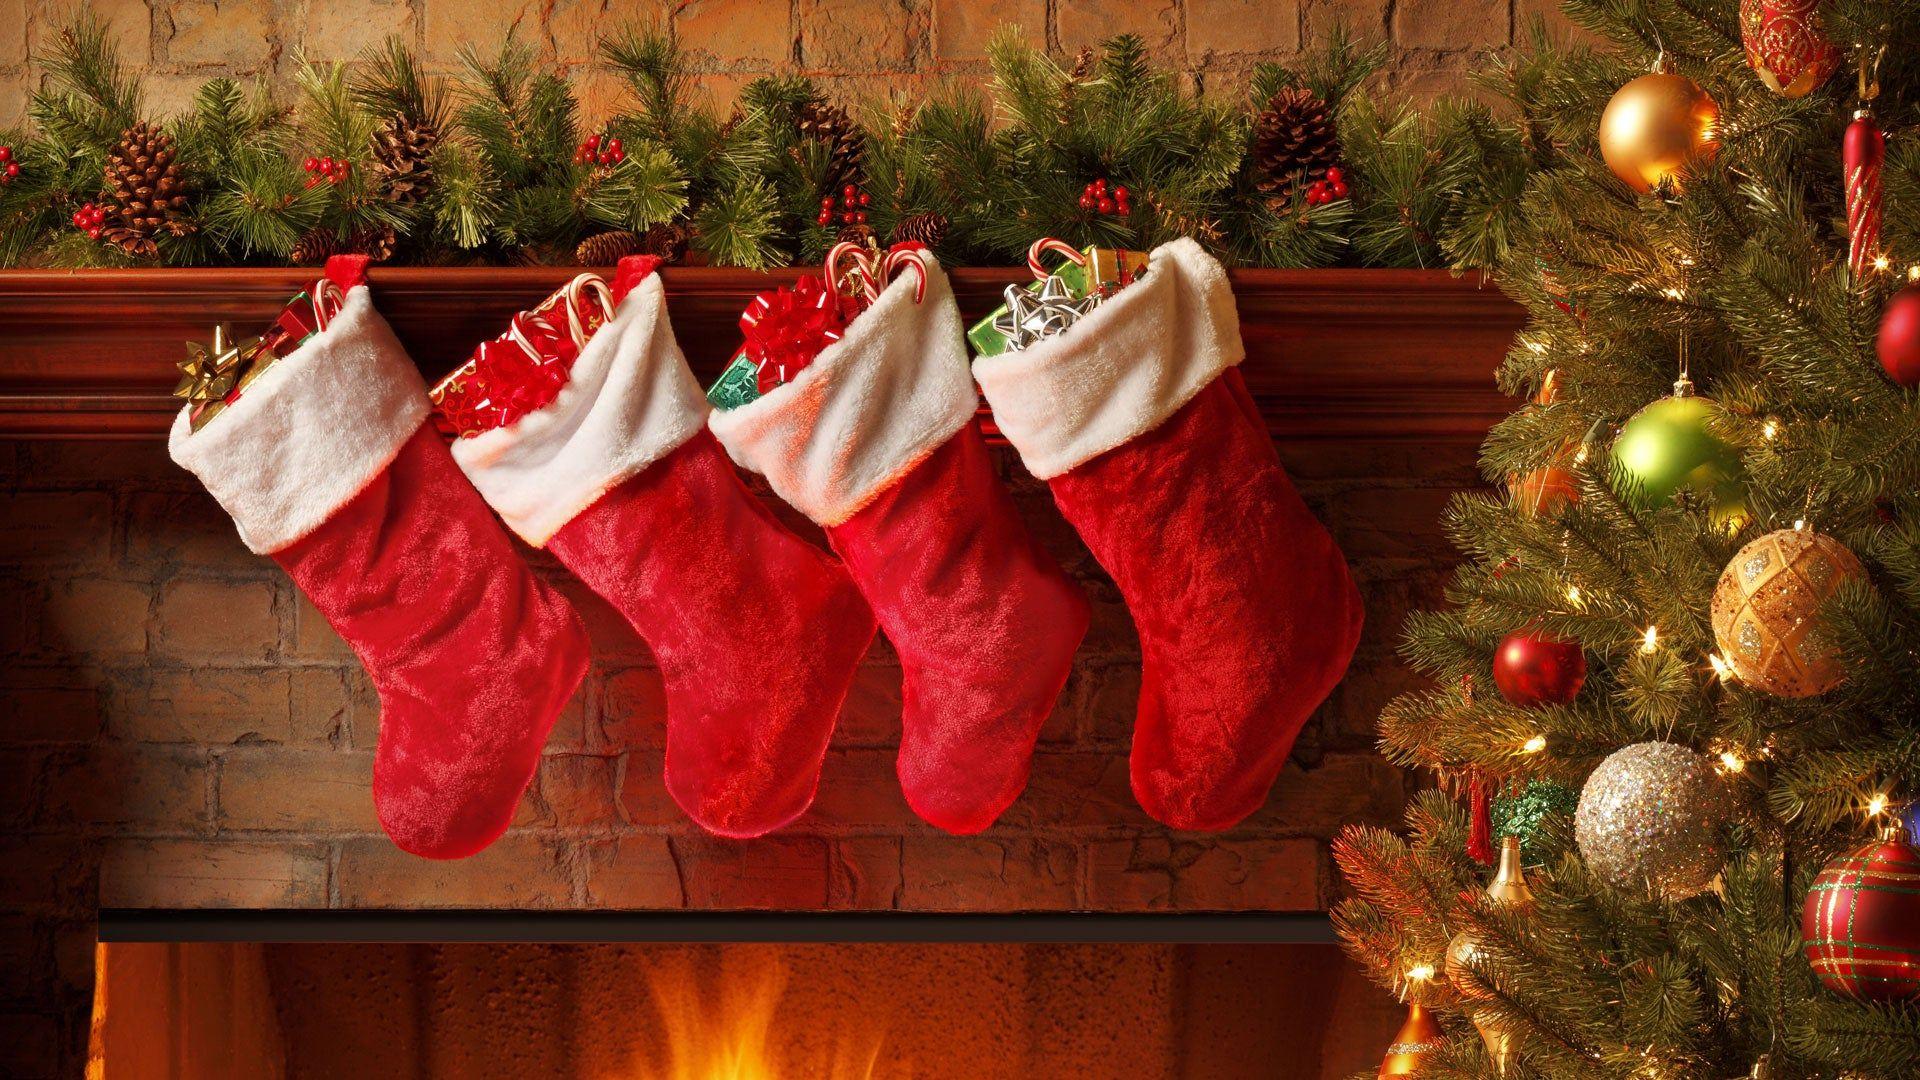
(862, 267)
(327, 301)
(897, 260)
(1042, 246)
(568, 297)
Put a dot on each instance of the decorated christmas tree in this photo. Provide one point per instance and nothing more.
(1674, 691)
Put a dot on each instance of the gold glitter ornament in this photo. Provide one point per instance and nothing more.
(1767, 603)
(1654, 814)
(1414, 1045)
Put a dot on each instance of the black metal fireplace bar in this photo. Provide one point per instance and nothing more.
(1255, 928)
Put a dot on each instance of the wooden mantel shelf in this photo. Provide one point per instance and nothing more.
(1332, 354)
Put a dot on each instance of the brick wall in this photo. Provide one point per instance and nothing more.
(185, 732)
(857, 46)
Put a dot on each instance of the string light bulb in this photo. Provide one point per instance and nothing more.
(1877, 805)
(1573, 595)
(1770, 429)
(1732, 762)
(1721, 669)
(1881, 262)
(1534, 745)
(1650, 641)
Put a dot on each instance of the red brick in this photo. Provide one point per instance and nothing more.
(55, 527)
(43, 873)
(844, 36)
(611, 635)
(1450, 24)
(634, 872)
(19, 775)
(100, 463)
(313, 638)
(278, 789)
(785, 872)
(633, 712)
(520, 870)
(1391, 523)
(859, 789)
(318, 706)
(1110, 635)
(871, 714)
(186, 529)
(1156, 872)
(1342, 789)
(216, 620)
(866, 873)
(204, 705)
(1115, 701)
(571, 791)
(1228, 27)
(753, 33)
(643, 791)
(213, 874)
(349, 31)
(962, 28)
(224, 35)
(149, 787)
(1089, 789)
(22, 971)
(94, 615)
(1366, 20)
(952, 873)
(43, 706)
(1090, 22)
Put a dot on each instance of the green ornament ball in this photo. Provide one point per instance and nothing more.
(1522, 810)
(1669, 447)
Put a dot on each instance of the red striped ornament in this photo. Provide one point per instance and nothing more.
(1861, 923)
(1864, 155)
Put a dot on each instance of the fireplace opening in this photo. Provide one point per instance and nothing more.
(183, 1011)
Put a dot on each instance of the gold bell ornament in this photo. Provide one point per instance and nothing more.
(1656, 126)
(1508, 890)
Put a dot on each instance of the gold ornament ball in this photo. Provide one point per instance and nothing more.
(1656, 126)
(1766, 607)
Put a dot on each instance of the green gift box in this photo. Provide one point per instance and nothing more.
(737, 385)
(1111, 268)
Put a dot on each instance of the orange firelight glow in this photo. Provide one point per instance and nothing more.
(730, 1025)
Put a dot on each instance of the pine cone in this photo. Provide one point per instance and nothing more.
(316, 246)
(607, 248)
(929, 228)
(667, 240)
(147, 191)
(824, 122)
(858, 234)
(403, 159)
(1294, 142)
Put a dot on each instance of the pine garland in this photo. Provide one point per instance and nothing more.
(486, 166)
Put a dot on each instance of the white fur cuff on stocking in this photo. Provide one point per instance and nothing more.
(311, 432)
(630, 400)
(1121, 371)
(868, 409)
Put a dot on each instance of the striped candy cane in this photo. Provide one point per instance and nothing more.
(1042, 246)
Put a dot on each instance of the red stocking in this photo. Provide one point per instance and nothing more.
(1247, 617)
(327, 466)
(876, 441)
(757, 633)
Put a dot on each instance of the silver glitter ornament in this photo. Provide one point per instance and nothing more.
(1653, 814)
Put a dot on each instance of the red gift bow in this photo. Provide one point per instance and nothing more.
(525, 368)
(786, 328)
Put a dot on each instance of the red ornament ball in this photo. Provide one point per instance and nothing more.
(1861, 922)
(1533, 669)
(1898, 342)
(1786, 45)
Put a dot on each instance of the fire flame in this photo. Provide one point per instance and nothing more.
(728, 1025)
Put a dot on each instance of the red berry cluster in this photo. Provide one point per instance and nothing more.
(9, 168)
(326, 168)
(848, 208)
(598, 151)
(1100, 199)
(90, 219)
(1325, 191)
